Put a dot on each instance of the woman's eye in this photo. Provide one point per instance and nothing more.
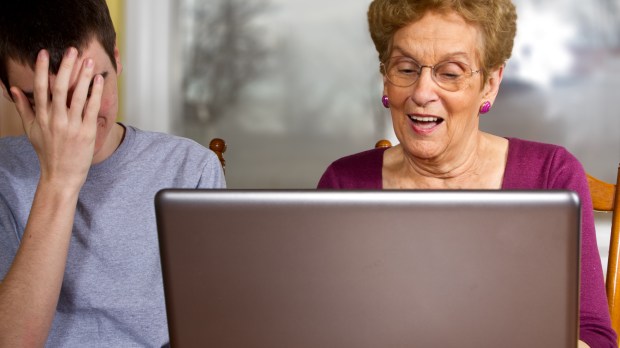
(450, 71)
(449, 75)
(407, 70)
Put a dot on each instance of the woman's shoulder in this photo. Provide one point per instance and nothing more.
(537, 162)
(533, 152)
(360, 170)
(523, 145)
(360, 159)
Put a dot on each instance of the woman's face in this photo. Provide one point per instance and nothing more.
(429, 121)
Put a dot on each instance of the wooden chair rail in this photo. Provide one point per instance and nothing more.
(606, 198)
(383, 143)
(602, 194)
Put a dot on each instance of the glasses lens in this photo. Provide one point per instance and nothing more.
(403, 72)
(451, 75)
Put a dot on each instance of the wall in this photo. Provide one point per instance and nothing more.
(147, 68)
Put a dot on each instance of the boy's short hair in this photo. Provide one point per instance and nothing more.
(28, 26)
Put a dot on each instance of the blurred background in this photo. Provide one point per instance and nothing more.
(292, 85)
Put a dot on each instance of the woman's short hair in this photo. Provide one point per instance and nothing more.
(496, 20)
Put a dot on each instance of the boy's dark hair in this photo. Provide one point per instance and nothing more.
(28, 26)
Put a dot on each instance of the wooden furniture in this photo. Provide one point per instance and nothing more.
(218, 146)
(606, 198)
(383, 143)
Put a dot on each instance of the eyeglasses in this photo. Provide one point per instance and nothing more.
(449, 75)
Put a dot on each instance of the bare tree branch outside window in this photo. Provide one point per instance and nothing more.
(226, 54)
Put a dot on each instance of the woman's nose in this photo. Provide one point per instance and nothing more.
(424, 89)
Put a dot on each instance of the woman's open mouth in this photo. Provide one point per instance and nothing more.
(425, 123)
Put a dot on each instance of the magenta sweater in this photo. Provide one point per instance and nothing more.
(530, 165)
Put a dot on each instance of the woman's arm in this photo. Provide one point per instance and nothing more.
(595, 322)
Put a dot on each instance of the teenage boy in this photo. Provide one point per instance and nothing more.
(79, 258)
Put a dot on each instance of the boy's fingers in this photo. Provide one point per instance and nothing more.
(23, 107)
(61, 83)
(80, 93)
(94, 102)
(41, 84)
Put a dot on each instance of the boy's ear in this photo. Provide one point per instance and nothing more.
(5, 92)
(117, 58)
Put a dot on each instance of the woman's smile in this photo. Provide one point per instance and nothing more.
(424, 124)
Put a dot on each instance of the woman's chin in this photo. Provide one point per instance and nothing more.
(423, 149)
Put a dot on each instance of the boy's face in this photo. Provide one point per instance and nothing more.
(22, 76)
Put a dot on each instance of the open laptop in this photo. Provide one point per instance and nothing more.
(370, 268)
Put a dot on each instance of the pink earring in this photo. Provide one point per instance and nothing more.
(485, 107)
(385, 101)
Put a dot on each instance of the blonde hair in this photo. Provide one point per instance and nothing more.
(496, 20)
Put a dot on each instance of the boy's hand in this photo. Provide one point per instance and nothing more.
(62, 131)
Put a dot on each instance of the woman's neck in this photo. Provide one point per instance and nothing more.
(478, 164)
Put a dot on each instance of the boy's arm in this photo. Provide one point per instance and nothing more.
(63, 135)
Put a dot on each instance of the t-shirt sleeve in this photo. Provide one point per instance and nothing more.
(595, 325)
(212, 175)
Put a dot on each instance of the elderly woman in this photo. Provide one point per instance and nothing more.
(442, 63)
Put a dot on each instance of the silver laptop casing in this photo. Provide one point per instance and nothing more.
(370, 268)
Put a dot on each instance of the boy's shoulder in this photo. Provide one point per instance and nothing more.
(164, 144)
(162, 139)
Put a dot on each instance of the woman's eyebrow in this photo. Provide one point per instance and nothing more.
(446, 56)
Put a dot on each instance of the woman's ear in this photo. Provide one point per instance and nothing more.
(385, 83)
(491, 87)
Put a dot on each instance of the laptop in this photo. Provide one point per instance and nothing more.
(261, 268)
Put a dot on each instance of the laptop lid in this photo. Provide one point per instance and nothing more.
(370, 268)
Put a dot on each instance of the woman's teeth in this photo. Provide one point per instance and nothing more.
(424, 118)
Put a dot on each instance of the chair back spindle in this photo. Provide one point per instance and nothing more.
(218, 146)
(606, 198)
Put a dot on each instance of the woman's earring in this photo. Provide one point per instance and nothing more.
(385, 101)
(485, 107)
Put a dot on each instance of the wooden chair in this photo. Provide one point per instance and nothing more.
(605, 198)
(383, 143)
(218, 146)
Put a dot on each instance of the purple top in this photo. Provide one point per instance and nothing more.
(530, 165)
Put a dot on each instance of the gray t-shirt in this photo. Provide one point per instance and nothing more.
(112, 294)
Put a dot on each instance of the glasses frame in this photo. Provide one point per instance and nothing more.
(384, 69)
